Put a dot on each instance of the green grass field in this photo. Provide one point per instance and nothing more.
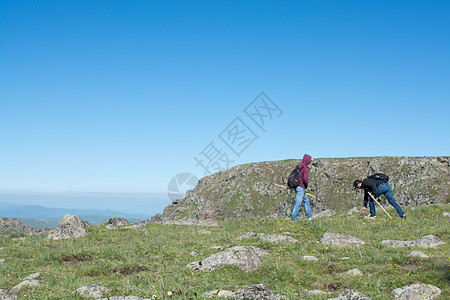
(152, 260)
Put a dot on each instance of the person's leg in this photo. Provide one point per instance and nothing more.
(298, 202)
(392, 201)
(372, 207)
(307, 206)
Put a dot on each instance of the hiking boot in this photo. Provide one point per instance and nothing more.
(404, 217)
(370, 217)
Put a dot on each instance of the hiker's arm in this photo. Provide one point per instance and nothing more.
(366, 199)
(305, 177)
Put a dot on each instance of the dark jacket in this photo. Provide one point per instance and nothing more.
(304, 173)
(370, 185)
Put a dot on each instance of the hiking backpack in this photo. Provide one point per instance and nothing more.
(379, 176)
(294, 177)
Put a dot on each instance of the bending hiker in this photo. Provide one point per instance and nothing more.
(300, 184)
(374, 186)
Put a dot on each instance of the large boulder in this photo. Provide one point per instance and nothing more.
(428, 241)
(13, 225)
(247, 259)
(70, 226)
(416, 291)
(273, 238)
(341, 240)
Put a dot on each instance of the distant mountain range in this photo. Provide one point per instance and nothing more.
(35, 215)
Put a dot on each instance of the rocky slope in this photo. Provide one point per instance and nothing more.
(250, 190)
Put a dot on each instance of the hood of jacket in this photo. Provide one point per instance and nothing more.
(306, 160)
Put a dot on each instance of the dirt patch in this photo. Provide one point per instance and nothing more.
(72, 260)
(331, 287)
(129, 269)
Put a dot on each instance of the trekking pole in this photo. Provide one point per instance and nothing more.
(379, 205)
(308, 194)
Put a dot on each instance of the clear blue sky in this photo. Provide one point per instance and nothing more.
(120, 96)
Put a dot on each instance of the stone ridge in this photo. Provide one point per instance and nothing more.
(250, 190)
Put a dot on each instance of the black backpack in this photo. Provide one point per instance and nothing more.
(379, 176)
(294, 179)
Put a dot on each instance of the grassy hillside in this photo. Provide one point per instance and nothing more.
(152, 260)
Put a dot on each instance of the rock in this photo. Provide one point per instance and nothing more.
(428, 241)
(192, 253)
(341, 240)
(324, 213)
(188, 222)
(2, 260)
(70, 226)
(420, 254)
(354, 272)
(92, 290)
(115, 222)
(6, 295)
(310, 258)
(32, 276)
(137, 225)
(352, 211)
(25, 283)
(246, 258)
(273, 238)
(257, 291)
(351, 295)
(41, 230)
(202, 231)
(416, 291)
(219, 293)
(446, 214)
(122, 298)
(317, 293)
(344, 258)
(216, 247)
(14, 225)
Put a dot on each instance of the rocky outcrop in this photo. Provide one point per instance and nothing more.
(338, 239)
(273, 238)
(13, 225)
(116, 222)
(250, 190)
(70, 226)
(428, 241)
(416, 291)
(247, 259)
(419, 254)
(29, 281)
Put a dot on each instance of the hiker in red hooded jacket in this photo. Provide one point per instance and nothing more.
(301, 196)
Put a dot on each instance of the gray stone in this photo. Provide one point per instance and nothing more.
(7, 295)
(70, 226)
(310, 258)
(2, 260)
(428, 241)
(92, 290)
(446, 214)
(256, 292)
(352, 295)
(354, 272)
(122, 298)
(324, 213)
(341, 240)
(192, 253)
(344, 258)
(202, 231)
(219, 294)
(317, 293)
(25, 283)
(115, 222)
(246, 258)
(273, 238)
(420, 254)
(32, 276)
(416, 291)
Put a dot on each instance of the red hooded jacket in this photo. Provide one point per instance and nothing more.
(304, 173)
